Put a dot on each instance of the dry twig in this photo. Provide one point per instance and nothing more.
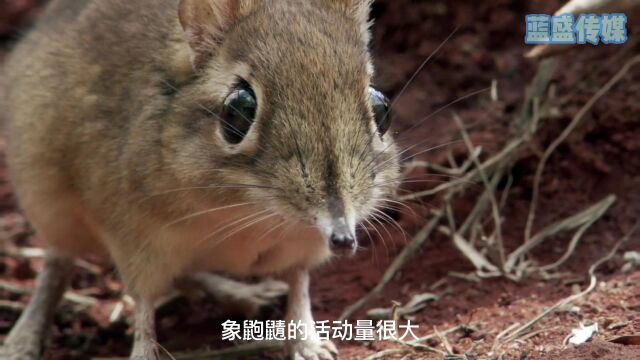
(518, 332)
(68, 296)
(577, 119)
(585, 217)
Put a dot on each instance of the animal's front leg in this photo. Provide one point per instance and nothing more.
(249, 299)
(299, 311)
(145, 346)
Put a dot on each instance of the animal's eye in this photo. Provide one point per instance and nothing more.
(238, 113)
(381, 110)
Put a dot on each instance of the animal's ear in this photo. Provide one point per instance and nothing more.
(359, 11)
(206, 22)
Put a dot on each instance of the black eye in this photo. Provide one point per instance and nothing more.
(381, 110)
(238, 113)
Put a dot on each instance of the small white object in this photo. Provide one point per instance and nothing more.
(632, 257)
(116, 313)
(494, 90)
(583, 334)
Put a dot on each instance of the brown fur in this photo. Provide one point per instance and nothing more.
(110, 143)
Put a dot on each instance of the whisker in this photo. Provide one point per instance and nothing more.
(384, 243)
(421, 181)
(414, 126)
(204, 212)
(245, 227)
(365, 224)
(393, 222)
(379, 167)
(406, 86)
(443, 176)
(424, 151)
(421, 67)
(394, 184)
(231, 224)
(443, 108)
(392, 207)
(371, 243)
(273, 229)
(384, 228)
(399, 203)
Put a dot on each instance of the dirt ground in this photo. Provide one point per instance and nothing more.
(599, 158)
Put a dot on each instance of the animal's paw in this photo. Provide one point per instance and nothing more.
(235, 296)
(312, 350)
(252, 298)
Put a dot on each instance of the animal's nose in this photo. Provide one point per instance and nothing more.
(342, 243)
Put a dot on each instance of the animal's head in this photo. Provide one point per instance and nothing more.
(283, 113)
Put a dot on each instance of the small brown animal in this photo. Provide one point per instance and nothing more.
(178, 137)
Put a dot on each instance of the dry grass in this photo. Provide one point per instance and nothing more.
(489, 256)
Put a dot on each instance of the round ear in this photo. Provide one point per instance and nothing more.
(205, 23)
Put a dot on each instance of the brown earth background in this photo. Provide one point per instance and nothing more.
(600, 158)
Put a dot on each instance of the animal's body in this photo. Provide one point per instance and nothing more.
(177, 137)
